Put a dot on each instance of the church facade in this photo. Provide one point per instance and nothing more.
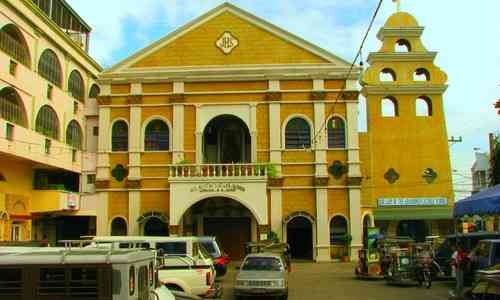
(233, 127)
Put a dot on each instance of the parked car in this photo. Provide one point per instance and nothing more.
(79, 273)
(262, 274)
(183, 263)
(485, 256)
(221, 259)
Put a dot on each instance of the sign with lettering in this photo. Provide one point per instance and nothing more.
(390, 202)
(227, 42)
(218, 187)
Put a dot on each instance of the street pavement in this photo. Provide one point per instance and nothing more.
(311, 281)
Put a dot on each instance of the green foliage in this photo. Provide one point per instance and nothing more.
(346, 239)
(495, 162)
(273, 236)
(184, 162)
(272, 172)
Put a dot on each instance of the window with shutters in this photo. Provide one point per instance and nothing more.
(156, 137)
(119, 136)
(336, 133)
(75, 86)
(74, 135)
(297, 134)
(11, 107)
(94, 91)
(49, 67)
(47, 122)
(13, 43)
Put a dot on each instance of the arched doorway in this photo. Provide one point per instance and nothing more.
(228, 220)
(118, 226)
(299, 233)
(155, 227)
(338, 234)
(415, 229)
(226, 139)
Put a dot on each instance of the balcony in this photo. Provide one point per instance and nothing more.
(44, 201)
(217, 171)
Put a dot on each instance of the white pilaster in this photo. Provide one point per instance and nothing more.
(102, 226)
(178, 87)
(322, 226)
(277, 212)
(134, 142)
(199, 136)
(320, 142)
(178, 133)
(355, 221)
(136, 88)
(353, 140)
(134, 208)
(104, 143)
(274, 85)
(253, 131)
(318, 84)
(275, 134)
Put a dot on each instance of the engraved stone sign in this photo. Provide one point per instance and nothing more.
(218, 187)
(227, 42)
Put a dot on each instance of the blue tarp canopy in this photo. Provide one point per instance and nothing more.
(486, 202)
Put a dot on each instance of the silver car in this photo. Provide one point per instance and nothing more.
(263, 274)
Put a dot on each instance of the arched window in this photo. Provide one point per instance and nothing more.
(11, 107)
(402, 45)
(421, 74)
(336, 133)
(94, 91)
(297, 134)
(47, 122)
(74, 135)
(13, 43)
(156, 136)
(118, 226)
(389, 107)
(76, 86)
(119, 136)
(423, 106)
(338, 230)
(387, 75)
(49, 67)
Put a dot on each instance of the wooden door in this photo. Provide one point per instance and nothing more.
(232, 234)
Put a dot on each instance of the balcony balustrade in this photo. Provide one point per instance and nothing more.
(215, 171)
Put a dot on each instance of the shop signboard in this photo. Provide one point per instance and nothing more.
(413, 202)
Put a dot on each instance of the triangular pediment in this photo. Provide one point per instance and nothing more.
(228, 35)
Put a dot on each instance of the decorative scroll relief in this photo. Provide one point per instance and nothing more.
(217, 187)
(227, 42)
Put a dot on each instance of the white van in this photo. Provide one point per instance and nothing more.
(79, 273)
(185, 265)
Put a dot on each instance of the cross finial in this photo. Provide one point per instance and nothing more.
(398, 5)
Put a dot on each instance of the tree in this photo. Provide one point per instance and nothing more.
(495, 160)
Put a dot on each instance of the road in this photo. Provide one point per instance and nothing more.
(311, 281)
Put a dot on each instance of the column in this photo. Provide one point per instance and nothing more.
(199, 136)
(134, 210)
(277, 212)
(102, 226)
(135, 134)
(354, 175)
(178, 133)
(322, 226)
(104, 144)
(253, 131)
(320, 146)
(275, 135)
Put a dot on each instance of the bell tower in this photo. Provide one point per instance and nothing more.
(407, 165)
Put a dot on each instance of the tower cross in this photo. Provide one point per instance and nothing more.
(398, 5)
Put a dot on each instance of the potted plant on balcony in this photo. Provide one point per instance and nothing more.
(273, 177)
(347, 239)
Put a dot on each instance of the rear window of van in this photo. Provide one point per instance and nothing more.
(173, 248)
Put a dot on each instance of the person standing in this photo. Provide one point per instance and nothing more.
(461, 262)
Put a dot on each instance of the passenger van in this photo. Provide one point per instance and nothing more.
(184, 264)
(79, 273)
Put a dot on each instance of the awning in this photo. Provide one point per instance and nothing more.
(486, 202)
(413, 213)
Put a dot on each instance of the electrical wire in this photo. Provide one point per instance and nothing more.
(344, 84)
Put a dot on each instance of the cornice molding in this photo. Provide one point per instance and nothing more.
(400, 32)
(401, 57)
(399, 89)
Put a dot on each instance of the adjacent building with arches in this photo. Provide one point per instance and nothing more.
(48, 112)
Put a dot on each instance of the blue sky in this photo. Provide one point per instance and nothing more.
(465, 33)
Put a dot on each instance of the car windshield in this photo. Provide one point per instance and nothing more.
(262, 264)
(203, 251)
(210, 247)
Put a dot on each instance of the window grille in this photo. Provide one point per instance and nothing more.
(9, 131)
(47, 122)
(12, 43)
(49, 67)
(12, 68)
(74, 135)
(156, 136)
(297, 134)
(119, 136)
(11, 108)
(75, 85)
(336, 133)
(48, 143)
(94, 91)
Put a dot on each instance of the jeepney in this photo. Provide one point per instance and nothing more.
(79, 273)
